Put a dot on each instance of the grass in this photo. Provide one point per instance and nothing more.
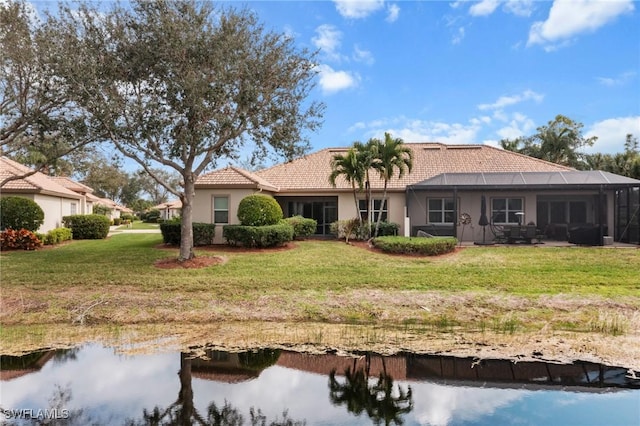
(502, 289)
(139, 225)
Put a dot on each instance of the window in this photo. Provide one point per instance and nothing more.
(74, 208)
(503, 210)
(221, 209)
(362, 205)
(440, 210)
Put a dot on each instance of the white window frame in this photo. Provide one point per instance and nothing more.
(443, 210)
(214, 210)
(374, 212)
(507, 211)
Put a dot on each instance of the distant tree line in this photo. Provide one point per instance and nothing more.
(561, 142)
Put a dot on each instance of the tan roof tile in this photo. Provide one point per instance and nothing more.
(71, 184)
(311, 172)
(35, 183)
(234, 176)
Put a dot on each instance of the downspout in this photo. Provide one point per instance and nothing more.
(602, 211)
(407, 219)
(455, 211)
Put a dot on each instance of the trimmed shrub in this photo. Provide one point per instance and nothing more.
(87, 227)
(152, 216)
(302, 227)
(422, 246)
(10, 239)
(20, 213)
(258, 236)
(349, 229)
(203, 233)
(56, 236)
(385, 229)
(259, 210)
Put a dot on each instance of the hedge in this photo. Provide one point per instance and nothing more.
(56, 236)
(302, 227)
(203, 233)
(423, 246)
(258, 236)
(385, 229)
(20, 213)
(87, 226)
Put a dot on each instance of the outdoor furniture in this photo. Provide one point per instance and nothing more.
(517, 233)
(586, 234)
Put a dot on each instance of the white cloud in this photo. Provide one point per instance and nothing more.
(484, 7)
(519, 7)
(619, 80)
(458, 36)
(568, 18)
(519, 125)
(328, 41)
(357, 9)
(505, 101)
(612, 134)
(360, 55)
(393, 11)
(416, 130)
(332, 81)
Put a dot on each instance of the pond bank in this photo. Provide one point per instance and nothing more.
(543, 345)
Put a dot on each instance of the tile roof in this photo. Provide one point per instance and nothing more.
(175, 204)
(311, 172)
(234, 176)
(35, 183)
(72, 184)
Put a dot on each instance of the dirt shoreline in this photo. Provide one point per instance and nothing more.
(544, 345)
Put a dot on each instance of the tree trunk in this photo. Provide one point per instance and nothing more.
(383, 202)
(186, 228)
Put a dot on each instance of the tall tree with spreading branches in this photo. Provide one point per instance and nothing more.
(39, 123)
(182, 84)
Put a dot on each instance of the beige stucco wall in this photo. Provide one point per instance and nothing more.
(203, 206)
(54, 209)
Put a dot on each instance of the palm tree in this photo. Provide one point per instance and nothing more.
(391, 156)
(350, 168)
(367, 155)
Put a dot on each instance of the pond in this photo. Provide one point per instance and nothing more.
(93, 384)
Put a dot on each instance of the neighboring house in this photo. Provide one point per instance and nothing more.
(86, 205)
(516, 188)
(55, 200)
(115, 210)
(169, 210)
(58, 196)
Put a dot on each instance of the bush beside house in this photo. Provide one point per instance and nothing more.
(419, 246)
(20, 213)
(88, 227)
(302, 227)
(203, 233)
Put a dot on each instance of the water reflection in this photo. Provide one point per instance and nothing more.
(95, 385)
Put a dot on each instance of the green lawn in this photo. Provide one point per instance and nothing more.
(115, 281)
(139, 225)
(127, 260)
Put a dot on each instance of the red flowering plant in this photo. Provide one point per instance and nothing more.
(10, 239)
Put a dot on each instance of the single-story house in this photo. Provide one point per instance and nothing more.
(58, 196)
(55, 200)
(169, 210)
(445, 182)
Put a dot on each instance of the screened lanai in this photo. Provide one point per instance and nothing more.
(555, 202)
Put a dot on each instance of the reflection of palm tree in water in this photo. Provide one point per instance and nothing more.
(378, 400)
(183, 411)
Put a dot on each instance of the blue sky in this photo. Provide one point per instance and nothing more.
(467, 71)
